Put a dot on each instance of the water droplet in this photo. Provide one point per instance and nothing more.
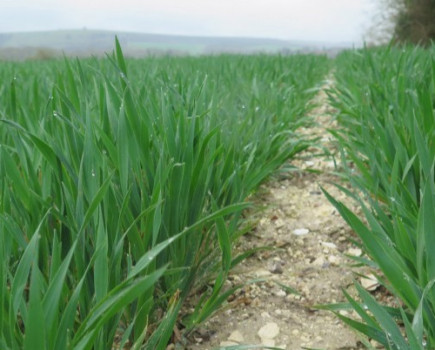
(424, 343)
(93, 172)
(243, 107)
(257, 109)
(365, 307)
(390, 340)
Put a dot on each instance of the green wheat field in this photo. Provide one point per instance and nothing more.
(124, 185)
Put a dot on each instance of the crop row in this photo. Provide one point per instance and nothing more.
(122, 186)
(385, 100)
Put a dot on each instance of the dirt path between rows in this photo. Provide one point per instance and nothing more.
(311, 241)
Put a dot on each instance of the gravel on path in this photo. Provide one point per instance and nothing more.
(311, 243)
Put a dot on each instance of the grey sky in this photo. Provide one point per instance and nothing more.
(322, 20)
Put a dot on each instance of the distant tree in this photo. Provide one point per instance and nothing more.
(403, 21)
(381, 30)
(416, 22)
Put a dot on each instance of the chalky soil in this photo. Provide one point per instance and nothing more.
(310, 241)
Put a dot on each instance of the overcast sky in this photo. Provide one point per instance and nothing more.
(322, 20)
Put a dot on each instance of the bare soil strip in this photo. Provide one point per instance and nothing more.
(311, 241)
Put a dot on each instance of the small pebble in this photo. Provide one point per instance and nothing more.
(354, 252)
(301, 231)
(276, 268)
(334, 260)
(236, 336)
(268, 331)
(280, 293)
(328, 245)
(370, 282)
(262, 273)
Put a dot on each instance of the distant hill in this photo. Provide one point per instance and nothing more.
(85, 42)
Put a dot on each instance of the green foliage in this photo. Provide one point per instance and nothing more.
(122, 184)
(415, 22)
(385, 100)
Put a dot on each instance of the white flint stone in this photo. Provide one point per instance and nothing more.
(334, 260)
(328, 245)
(236, 336)
(354, 251)
(370, 282)
(280, 293)
(268, 331)
(301, 231)
(262, 273)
